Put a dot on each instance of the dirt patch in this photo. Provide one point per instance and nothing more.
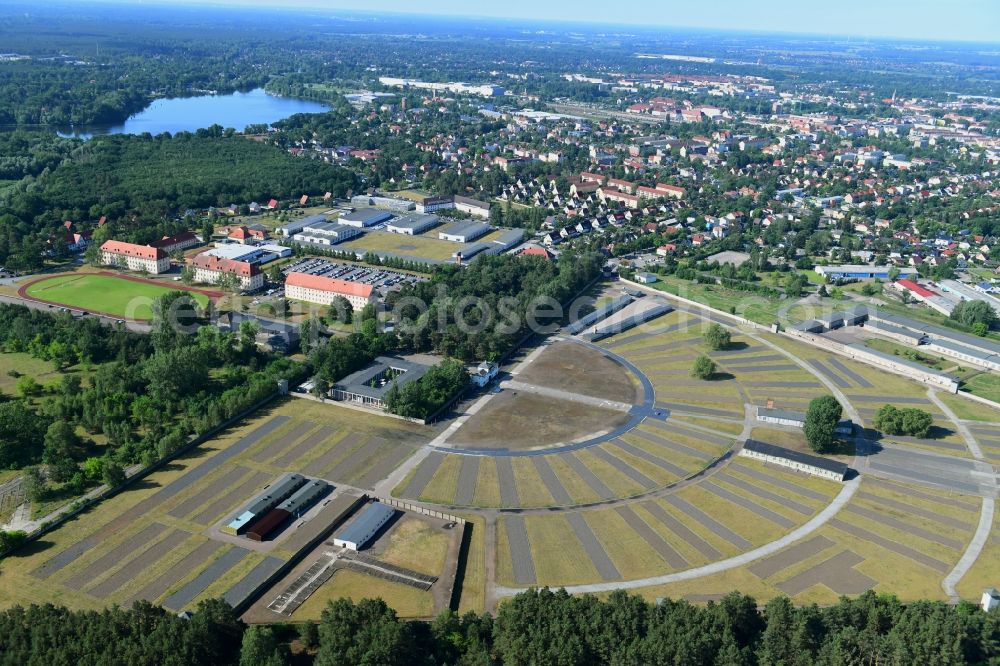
(519, 421)
(572, 367)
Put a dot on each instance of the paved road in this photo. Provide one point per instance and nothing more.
(138, 327)
(565, 395)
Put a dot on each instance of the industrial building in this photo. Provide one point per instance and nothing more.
(365, 217)
(369, 385)
(862, 271)
(297, 504)
(326, 233)
(464, 231)
(263, 503)
(412, 225)
(252, 254)
(389, 203)
(803, 462)
(363, 528)
(473, 207)
(295, 227)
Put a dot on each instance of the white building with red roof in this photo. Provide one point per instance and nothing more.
(210, 269)
(322, 290)
(135, 257)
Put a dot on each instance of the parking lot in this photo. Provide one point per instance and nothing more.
(381, 279)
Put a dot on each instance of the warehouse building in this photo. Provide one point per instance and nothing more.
(295, 227)
(326, 233)
(411, 225)
(464, 232)
(803, 462)
(363, 528)
(323, 290)
(365, 217)
(297, 504)
(473, 207)
(862, 271)
(263, 503)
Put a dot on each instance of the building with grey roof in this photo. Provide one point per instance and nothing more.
(363, 528)
(777, 455)
(412, 225)
(897, 333)
(464, 231)
(365, 217)
(326, 233)
(293, 228)
(954, 350)
(369, 385)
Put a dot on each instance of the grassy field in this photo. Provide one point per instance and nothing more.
(418, 545)
(985, 385)
(187, 513)
(751, 306)
(423, 247)
(104, 293)
(969, 410)
(408, 602)
(578, 369)
(24, 364)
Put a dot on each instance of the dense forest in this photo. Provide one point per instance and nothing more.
(535, 628)
(138, 181)
(147, 394)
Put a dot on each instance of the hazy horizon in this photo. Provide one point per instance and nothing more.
(923, 20)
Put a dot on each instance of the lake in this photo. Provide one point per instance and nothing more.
(187, 114)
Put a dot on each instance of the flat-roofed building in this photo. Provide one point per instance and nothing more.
(364, 528)
(412, 225)
(365, 217)
(369, 385)
(323, 290)
(135, 257)
(464, 232)
(296, 226)
(862, 271)
(326, 233)
(209, 270)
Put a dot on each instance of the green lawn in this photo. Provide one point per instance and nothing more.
(104, 293)
(748, 305)
(985, 385)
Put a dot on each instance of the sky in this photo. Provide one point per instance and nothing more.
(972, 20)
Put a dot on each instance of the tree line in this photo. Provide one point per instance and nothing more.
(536, 627)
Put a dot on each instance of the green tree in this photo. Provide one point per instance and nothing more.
(260, 647)
(364, 633)
(114, 474)
(12, 540)
(61, 444)
(341, 310)
(971, 313)
(187, 275)
(821, 422)
(703, 368)
(717, 337)
(28, 387)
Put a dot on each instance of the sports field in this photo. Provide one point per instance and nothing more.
(107, 294)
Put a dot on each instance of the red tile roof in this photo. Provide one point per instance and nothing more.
(342, 287)
(208, 262)
(133, 250)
